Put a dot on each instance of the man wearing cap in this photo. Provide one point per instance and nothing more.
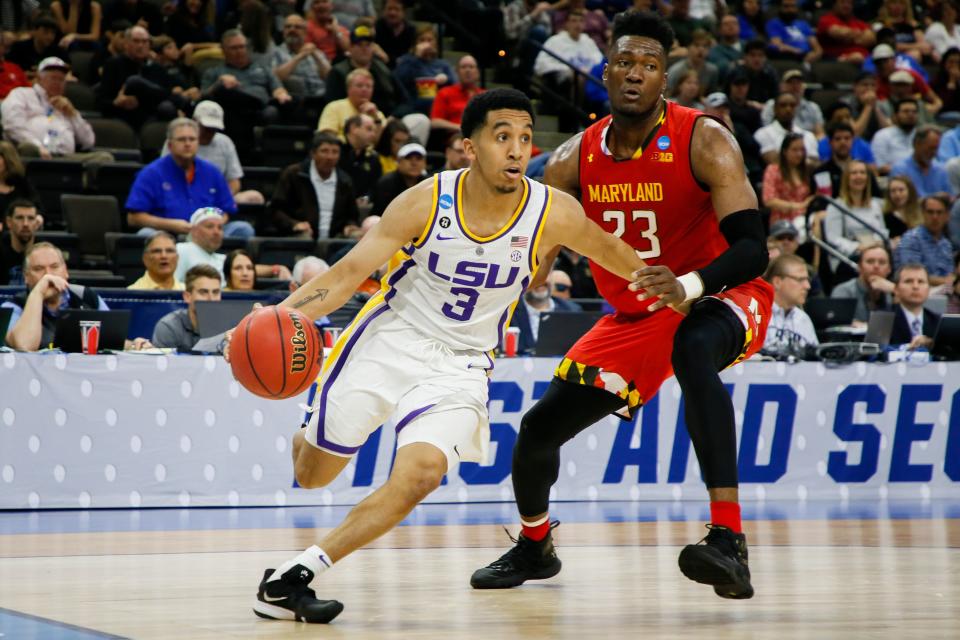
(771, 136)
(411, 169)
(299, 64)
(167, 191)
(892, 144)
(792, 37)
(314, 198)
(219, 150)
(927, 175)
(808, 115)
(843, 36)
(867, 119)
(11, 75)
(901, 88)
(872, 289)
(42, 43)
(43, 122)
(742, 108)
(888, 72)
(386, 91)
(762, 76)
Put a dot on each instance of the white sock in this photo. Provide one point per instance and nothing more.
(314, 558)
(534, 523)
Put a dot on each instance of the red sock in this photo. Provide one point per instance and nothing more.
(536, 533)
(725, 514)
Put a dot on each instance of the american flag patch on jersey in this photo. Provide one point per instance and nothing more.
(519, 242)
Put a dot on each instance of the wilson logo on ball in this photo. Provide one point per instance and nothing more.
(298, 359)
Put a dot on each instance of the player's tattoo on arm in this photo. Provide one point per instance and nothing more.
(319, 293)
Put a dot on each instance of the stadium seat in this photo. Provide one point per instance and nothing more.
(282, 145)
(98, 280)
(80, 65)
(153, 136)
(126, 254)
(263, 179)
(116, 179)
(114, 134)
(229, 244)
(782, 66)
(826, 97)
(285, 251)
(82, 97)
(91, 217)
(68, 243)
(831, 73)
(51, 179)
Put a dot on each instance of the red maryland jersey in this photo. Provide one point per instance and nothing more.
(652, 201)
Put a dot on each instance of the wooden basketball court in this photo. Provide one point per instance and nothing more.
(814, 578)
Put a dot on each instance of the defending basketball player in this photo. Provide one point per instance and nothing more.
(462, 247)
(671, 183)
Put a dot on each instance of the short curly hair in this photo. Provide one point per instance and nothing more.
(645, 24)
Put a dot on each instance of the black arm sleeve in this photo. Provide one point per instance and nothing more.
(744, 260)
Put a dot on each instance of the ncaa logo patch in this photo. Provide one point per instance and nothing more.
(663, 143)
(446, 201)
(444, 222)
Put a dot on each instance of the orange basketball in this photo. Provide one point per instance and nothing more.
(276, 352)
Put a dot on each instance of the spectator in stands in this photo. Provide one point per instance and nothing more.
(786, 184)
(456, 157)
(943, 34)
(842, 35)
(707, 73)
(526, 316)
(160, 262)
(305, 269)
(762, 76)
(167, 191)
(43, 122)
(927, 175)
(560, 284)
(525, 20)
(752, 23)
(684, 25)
(349, 12)
(742, 108)
(217, 149)
(165, 71)
(771, 136)
(204, 242)
(239, 271)
(792, 37)
(790, 330)
(357, 156)
(892, 144)
(359, 92)
(808, 115)
(79, 21)
(41, 44)
(11, 75)
(828, 177)
(394, 33)
(145, 13)
(867, 119)
(13, 179)
(946, 84)
(22, 222)
(718, 105)
(728, 51)
(392, 139)
(314, 198)
(248, 91)
(871, 288)
(913, 324)
(448, 106)
(897, 15)
(574, 49)
(124, 93)
(411, 169)
(49, 293)
(421, 73)
(178, 329)
(116, 45)
(888, 75)
(928, 244)
(190, 27)
(255, 22)
(595, 22)
(857, 148)
(386, 92)
(686, 92)
(842, 232)
(299, 64)
(325, 32)
(901, 208)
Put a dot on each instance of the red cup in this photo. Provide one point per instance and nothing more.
(511, 341)
(90, 336)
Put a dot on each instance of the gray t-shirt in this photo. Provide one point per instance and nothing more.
(307, 73)
(256, 79)
(222, 153)
(190, 254)
(174, 330)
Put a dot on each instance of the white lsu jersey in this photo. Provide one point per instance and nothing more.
(460, 288)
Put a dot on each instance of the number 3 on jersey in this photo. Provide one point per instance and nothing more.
(649, 234)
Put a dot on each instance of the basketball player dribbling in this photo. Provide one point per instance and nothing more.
(671, 183)
(462, 248)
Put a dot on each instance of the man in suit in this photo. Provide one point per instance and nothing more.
(913, 325)
(526, 316)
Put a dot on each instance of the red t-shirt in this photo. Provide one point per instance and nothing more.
(11, 77)
(834, 48)
(451, 101)
(324, 39)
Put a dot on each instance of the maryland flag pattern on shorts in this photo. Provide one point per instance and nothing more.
(577, 373)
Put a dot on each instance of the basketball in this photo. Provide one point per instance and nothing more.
(276, 352)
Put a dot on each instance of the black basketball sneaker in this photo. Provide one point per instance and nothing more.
(290, 598)
(527, 560)
(720, 560)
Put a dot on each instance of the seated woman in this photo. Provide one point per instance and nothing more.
(79, 22)
(393, 136)
(901, 208)
(786, 185)
(897, 15)
(239, 271)
(946, 82)
(943, 33)
(841, 231)
(686, 92)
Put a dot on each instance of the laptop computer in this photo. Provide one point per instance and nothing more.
(5, 315)
(880, 327)
(830, 312)
(946, 339)
(559, 330)
(216, 316)
(113, 329)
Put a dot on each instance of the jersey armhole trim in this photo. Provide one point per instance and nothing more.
(428, 228)
(538, 230)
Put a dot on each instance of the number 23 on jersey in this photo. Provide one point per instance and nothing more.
(649, 234)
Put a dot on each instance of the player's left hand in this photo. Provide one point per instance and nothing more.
(660, 282)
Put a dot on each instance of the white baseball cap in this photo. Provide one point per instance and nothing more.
(883, 51)
(209, 114)
(53, 63)
(411, 148)
(205, 213)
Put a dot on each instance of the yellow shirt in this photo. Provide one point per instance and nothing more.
(338, 112)
(388, 164)
(146, 282)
